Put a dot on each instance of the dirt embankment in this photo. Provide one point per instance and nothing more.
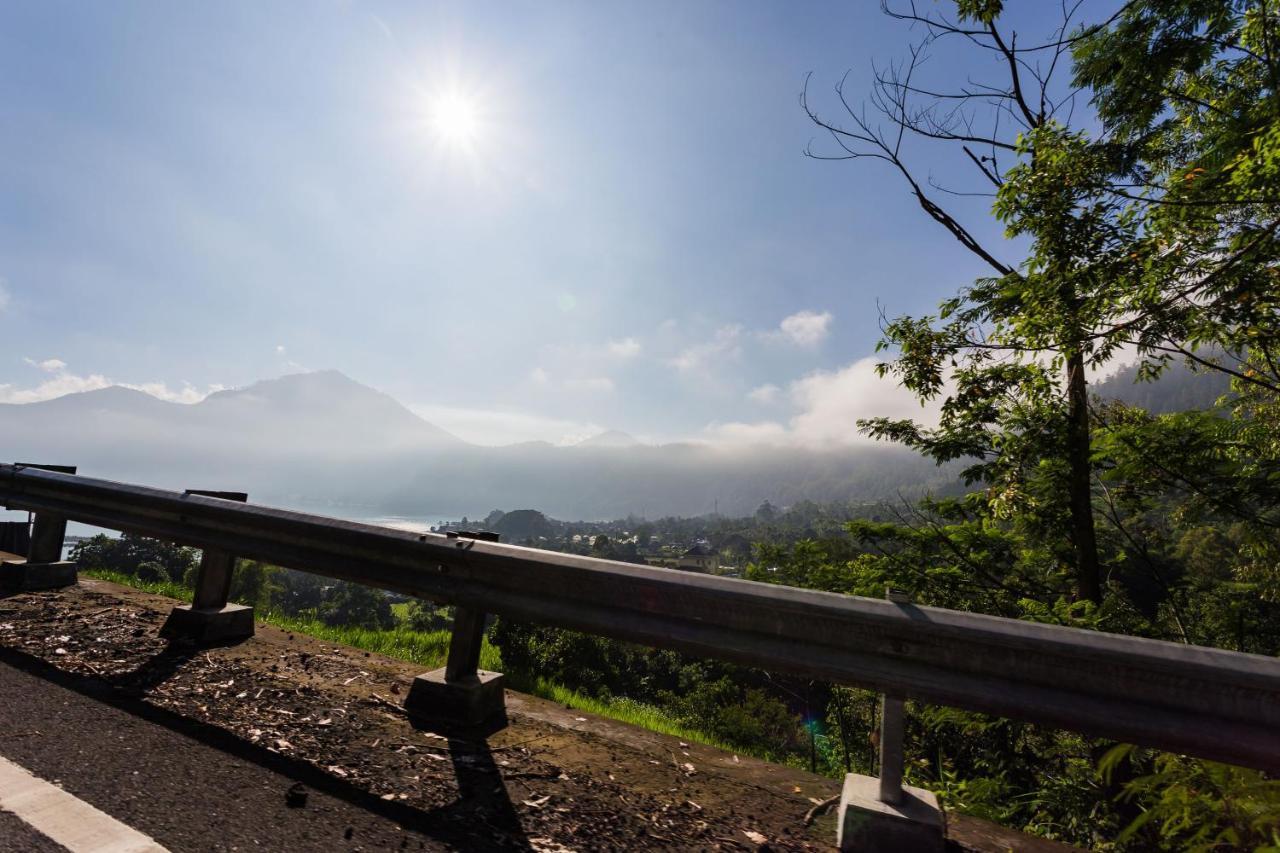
(554, 779)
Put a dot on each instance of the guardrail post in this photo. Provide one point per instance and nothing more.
(43, 567)
(882, 814)
(892, 723)
(209, 619)
(461, 693)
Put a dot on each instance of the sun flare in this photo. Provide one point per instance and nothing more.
(455, 119)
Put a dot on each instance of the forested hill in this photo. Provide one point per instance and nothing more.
(1179, 389)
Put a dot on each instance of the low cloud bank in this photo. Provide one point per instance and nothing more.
(62, 381)
(828, 406)
(496, 427)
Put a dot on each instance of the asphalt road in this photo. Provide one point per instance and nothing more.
(17, 837)
(184, 793)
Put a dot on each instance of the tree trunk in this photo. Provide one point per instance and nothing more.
(1088, 575)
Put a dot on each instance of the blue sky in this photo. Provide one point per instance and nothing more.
(196, 196)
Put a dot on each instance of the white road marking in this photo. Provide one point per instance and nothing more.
(71, 822)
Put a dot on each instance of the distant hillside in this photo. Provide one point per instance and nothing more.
(1179, 389)
(612, 438)
(322, 439)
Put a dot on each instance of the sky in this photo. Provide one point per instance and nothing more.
(522, 220)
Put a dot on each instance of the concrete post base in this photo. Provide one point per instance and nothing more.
(209, 626)
(469, 702)
(865, 823)
(28, 577)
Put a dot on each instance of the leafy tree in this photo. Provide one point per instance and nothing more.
(1009, 354)
(1153, 229)
(129, 552)
(356, 605)
(299, 592)
(766, 512)
(254, 583)
(426, 616)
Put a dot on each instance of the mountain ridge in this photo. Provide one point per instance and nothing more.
(325, 439)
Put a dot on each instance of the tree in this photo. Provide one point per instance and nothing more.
(299, 592)
(254, 583)
(426, 616)
(1009, 354)
(1191, 86)
(1153, 229)
(129, 552)
(358, 606)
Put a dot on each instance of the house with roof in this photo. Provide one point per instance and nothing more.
(699, 558)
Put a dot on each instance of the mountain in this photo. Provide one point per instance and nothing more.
(320, 411)
(323, 440)
(1178, 389)
(296, 435)
(611, 438)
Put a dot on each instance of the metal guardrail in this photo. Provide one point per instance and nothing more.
(1206, 702)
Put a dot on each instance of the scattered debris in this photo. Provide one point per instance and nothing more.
(296, 796)
(820, 807)
(315, 704)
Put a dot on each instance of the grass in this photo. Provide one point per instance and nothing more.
(169, 589)
(429, 650)
(623, 710)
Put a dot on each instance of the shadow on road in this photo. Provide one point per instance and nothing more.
(481, 818)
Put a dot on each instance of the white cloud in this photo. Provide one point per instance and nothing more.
(544, 379)
(188, 393)
(829, 404)
(49, 365)
(498, 427)
(764, 432)
(723, 346)
(591, 385)
(59, 386)
(280, 349)
(625, 348)
(766, 394)
(64, 382)
(805, 328)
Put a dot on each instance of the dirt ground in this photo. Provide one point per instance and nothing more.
(555, 779)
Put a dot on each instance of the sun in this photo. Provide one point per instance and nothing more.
(455, 119)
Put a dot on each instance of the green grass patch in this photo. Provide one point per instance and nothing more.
(165, 588)
(427, 650)
(621, 709)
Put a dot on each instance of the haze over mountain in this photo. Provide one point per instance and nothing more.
(324, 439)
(1178, 389)
(610, 438)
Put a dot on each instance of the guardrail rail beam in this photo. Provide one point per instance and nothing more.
(1210, 703)
(43, 567)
